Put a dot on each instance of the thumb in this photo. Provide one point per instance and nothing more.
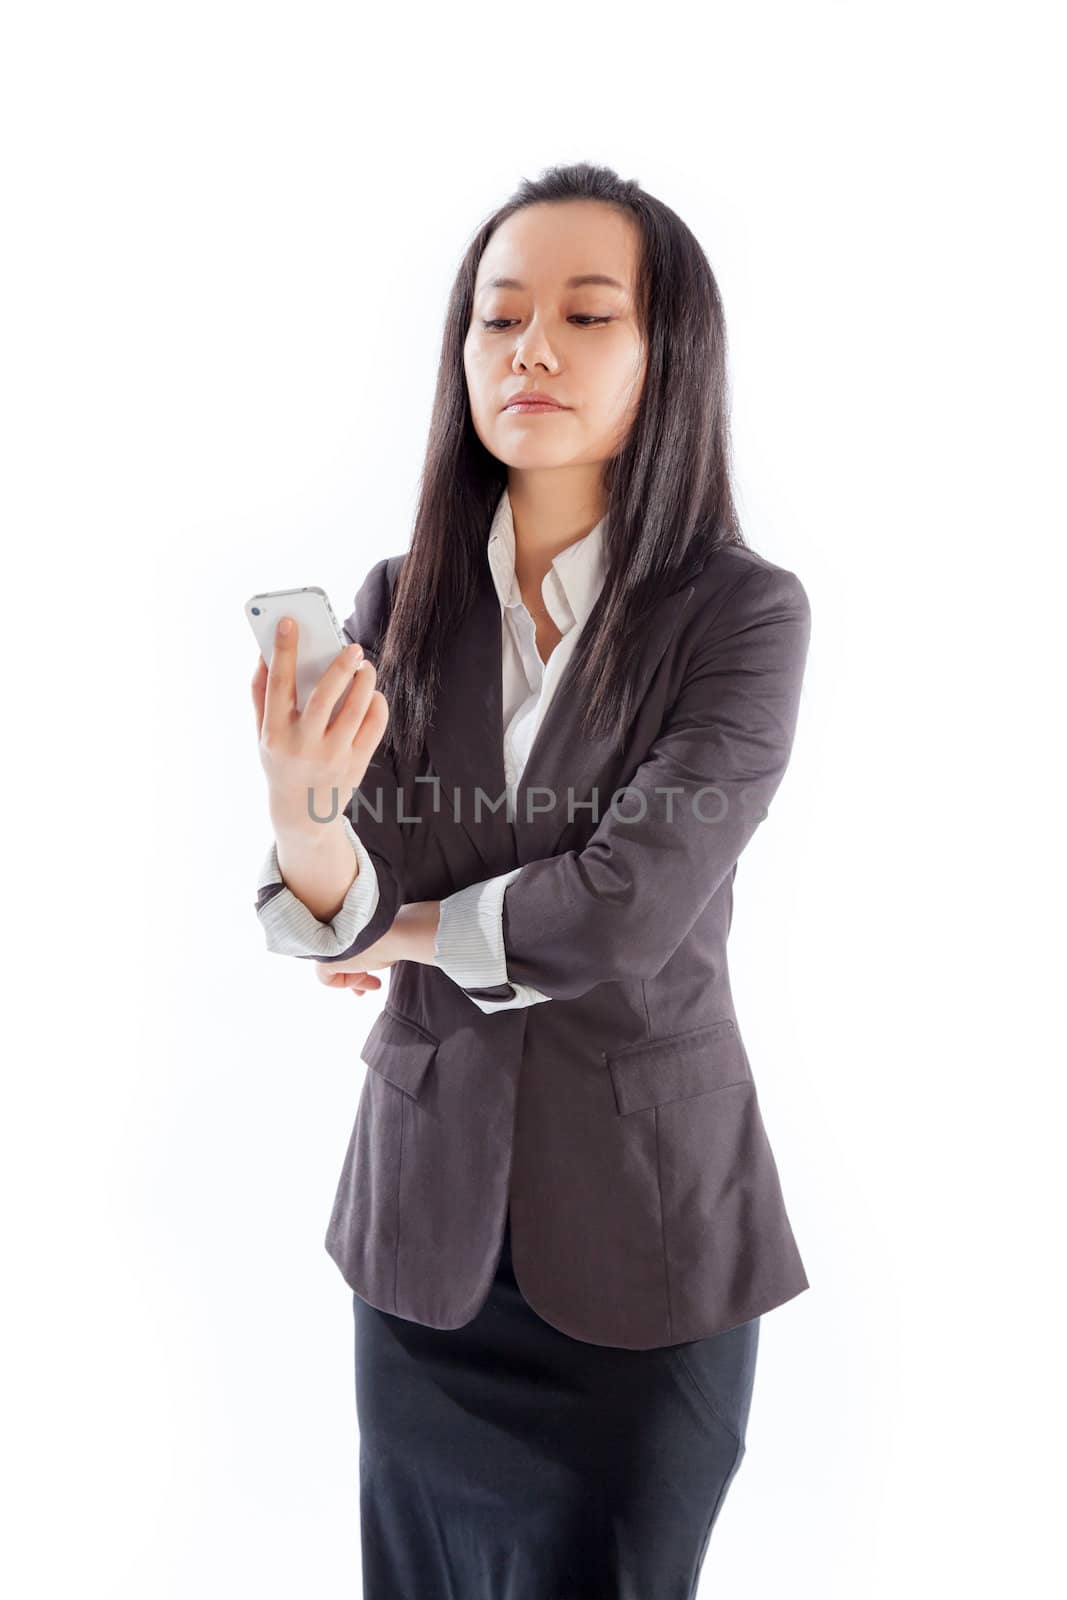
(259, 694)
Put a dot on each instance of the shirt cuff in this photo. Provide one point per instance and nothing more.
(293, 930)
(469, 946)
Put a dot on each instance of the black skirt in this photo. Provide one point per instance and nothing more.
(507, 1461)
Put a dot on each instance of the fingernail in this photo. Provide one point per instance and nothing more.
(285, 625)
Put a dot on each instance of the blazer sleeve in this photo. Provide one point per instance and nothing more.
(292, 929)
(469, 946)
(620, 907)
(367, 913)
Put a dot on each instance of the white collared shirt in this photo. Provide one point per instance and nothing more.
(469, 946)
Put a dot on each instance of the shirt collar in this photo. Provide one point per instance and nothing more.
(572, 583)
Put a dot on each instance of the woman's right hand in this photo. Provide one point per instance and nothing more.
(297, 750)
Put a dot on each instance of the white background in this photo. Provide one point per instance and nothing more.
(230, 233)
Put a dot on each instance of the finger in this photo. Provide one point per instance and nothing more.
(364, 701)
(357, 981)
(369, 982)
(368, 736)
(345, 666)
(358, 727)
(335, 974)
(259, 693)
(281, 676)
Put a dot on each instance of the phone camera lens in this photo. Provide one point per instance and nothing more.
(255, 611)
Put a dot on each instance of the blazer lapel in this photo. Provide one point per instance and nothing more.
(466, 738)
(564, 763)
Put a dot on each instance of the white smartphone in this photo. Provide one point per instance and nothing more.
(319, 641)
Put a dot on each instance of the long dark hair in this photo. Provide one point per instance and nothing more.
(668, 490)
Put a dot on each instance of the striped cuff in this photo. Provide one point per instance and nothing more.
(293, 930)
(469, 946)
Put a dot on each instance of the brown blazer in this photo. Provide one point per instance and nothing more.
(620, 1118)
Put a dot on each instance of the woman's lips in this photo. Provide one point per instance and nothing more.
(533, 405)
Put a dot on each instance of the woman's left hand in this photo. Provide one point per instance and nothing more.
(411, 938)
(335, 975)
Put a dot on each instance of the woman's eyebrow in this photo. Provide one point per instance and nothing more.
(571, 283)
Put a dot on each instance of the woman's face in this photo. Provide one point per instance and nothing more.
(577, 342)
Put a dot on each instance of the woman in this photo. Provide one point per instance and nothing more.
(559, 1212)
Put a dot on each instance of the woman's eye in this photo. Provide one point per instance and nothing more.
(504, 322)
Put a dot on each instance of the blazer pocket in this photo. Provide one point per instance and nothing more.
(681, 1065)
(399, 1050)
